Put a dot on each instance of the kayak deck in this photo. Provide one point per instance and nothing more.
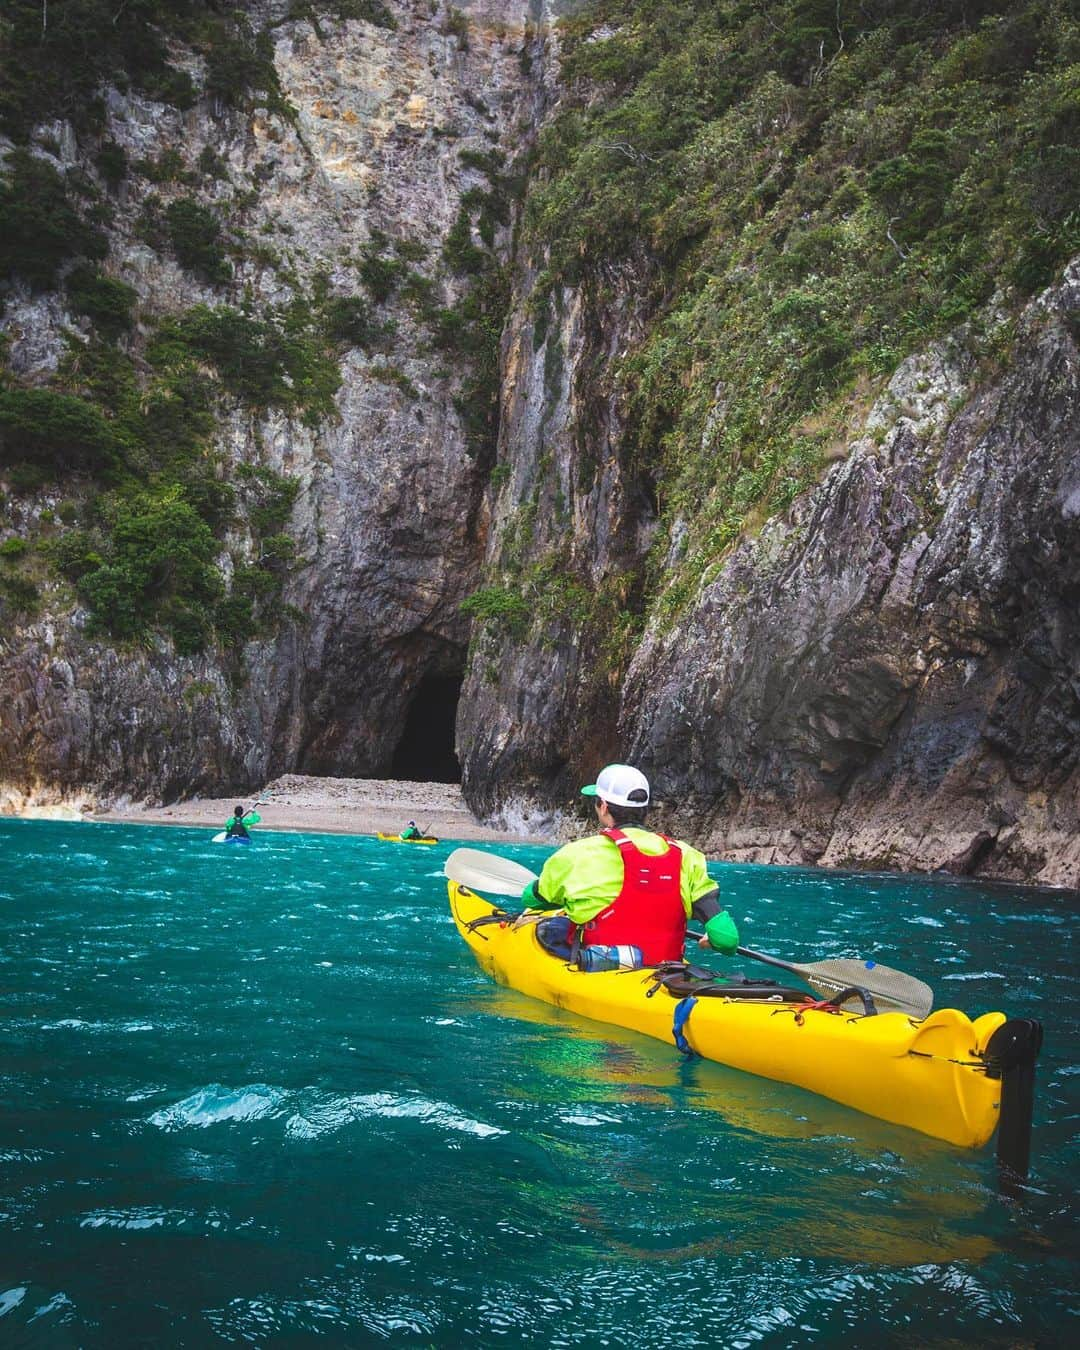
(397, 839)
(930, 1075)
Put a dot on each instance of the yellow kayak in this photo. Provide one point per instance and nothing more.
(397, 839)
(939, 1075)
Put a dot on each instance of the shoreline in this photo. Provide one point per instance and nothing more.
(306, 804)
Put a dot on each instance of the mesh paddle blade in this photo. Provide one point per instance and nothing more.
(891, 989)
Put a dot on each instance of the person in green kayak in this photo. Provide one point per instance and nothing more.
(410, 831)
(236, 825)
(627, 885)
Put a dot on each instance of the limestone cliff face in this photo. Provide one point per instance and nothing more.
(387, 521)
(538, 713)
(886, 676)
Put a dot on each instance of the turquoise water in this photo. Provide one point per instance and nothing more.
(264, 1096)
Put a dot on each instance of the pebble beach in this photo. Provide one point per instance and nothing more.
(331, 806)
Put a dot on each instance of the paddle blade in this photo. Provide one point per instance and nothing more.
(891, 989)
(487, 872)
(218, 838)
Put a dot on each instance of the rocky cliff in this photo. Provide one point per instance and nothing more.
(358, 173)
(828, 605)
(886, 675)
(575, 431)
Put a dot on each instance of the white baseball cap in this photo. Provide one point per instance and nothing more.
(620, 785)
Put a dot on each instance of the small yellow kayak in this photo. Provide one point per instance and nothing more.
(943, 1075)
(397, 839)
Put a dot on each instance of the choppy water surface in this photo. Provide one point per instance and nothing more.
(264, 1096)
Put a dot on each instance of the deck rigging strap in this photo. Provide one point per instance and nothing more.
(482, 920)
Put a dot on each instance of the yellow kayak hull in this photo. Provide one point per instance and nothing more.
(925, 1075)
(397, 839)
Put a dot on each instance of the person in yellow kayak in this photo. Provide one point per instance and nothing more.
(627, 886)
(236, 825)
(410, 832)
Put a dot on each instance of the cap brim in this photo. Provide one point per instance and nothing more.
(589, 790)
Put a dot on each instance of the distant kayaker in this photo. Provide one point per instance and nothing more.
(410, 831)
(236, 825)
(628, 886)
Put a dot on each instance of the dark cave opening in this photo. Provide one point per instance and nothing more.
(425, 752)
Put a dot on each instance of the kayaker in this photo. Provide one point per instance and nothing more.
(410, 832)
(628, 885)
(236, 825)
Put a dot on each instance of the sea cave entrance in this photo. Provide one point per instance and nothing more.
(425, 752)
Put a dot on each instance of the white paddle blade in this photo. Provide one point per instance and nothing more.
(218, 838)
(487, 872)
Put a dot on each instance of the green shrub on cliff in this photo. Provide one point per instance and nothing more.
(279, 360)
(13, 548)
(57, 432)
(160, 556)
(19, 594)
(349, 320)
(499, 608)
(40, 228)
(104, 300)
(195, 235)
(371, 11)
(270, 498)
(150, 560)
(57, 58)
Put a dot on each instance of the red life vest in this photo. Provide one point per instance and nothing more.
(648, 912)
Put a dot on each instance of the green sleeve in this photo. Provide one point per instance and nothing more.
(722, 934)
(551, 883)
(531, 898)
(252, 818)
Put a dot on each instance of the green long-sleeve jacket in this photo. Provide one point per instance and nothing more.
(585, 876)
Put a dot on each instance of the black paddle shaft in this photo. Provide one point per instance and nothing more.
(768, 960)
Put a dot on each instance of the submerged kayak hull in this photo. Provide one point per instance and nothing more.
(928, 1075)
(397, 839)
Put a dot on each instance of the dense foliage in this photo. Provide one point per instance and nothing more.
(810, 189)
(140, 538)
(142, 443)
(41, 226)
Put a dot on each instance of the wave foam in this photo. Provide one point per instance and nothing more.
(215, 1105)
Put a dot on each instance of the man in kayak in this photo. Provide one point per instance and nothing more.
(236, 825)
(628, 885)
(410, 832)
